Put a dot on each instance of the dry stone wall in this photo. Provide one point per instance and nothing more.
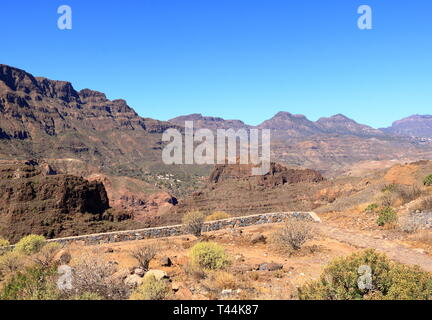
(169, 231)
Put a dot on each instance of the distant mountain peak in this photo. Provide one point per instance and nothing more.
(201, 121)
(414, 126)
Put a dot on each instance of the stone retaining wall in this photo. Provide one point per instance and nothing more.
(169, 231)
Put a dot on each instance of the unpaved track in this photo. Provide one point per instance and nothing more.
(393, 250)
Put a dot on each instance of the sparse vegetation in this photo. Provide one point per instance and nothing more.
(193, 222)
(94, 275)
(209, 255)
(144, 255)
(4, 242)
(293, 235)
(397, 194)
(371, 208)
(428, 181)
(34, 283)
(390, 280)
(30, 244)
(45, 257)
(151, 289)
(11, 262)
(387, 216)
(218, 215)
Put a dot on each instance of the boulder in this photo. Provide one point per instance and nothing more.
(139, 272)
(165, 262)
(133, 281)
(158, 274)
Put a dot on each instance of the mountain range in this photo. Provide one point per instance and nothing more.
(83, 132)
(297, 125)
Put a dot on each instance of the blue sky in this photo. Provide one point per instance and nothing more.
(239, 59)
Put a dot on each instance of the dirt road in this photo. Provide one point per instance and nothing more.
(393, 250)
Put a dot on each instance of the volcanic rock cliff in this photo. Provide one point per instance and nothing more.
(33, 199)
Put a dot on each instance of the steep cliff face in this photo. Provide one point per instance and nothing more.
(33, 199)
(42, 118)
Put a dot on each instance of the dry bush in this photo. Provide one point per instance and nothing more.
(11, 262)
(387, 199)
(408, 193)
(397, 194)
(293, 235)
(46, 256)
(193, 222)
(221, 280)
(194, 272)
(144, 255)
(94, 275)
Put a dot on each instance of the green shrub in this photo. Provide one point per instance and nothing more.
(218, 215)
(428, 180)
(151, 289)
(4, 242)
(371, 208)
(386, 216)
(209, 255)
(30, 244)
(193, 222)
(35, 283)
(390, 280)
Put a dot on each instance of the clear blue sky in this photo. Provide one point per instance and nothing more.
(241, 59)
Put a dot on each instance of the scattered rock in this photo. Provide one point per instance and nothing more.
(139, 272)
(133, 281)
(257, 238)
(158, 274)
(270, 267)
(109, 250)
(226, 292)
(165, 262)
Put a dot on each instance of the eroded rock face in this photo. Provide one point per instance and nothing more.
(52, 205)
(278, 175)
(233, 188)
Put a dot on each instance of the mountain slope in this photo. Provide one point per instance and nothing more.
(341, 124)
(211, 123)
(414, 126)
